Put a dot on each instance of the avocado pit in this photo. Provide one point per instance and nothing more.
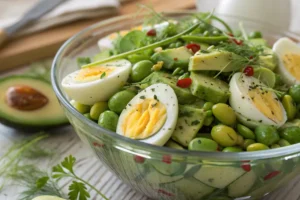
(25, 98)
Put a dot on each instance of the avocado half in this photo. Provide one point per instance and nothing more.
(37, 109)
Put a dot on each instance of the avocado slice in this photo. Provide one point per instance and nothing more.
(218, 176)
(40, 111)
(174, 169)
(183, 94)
(189, 122)
(215, 60)
(242, 185)
(173, 145)
(154, 177)
(173, 58)
(208, 88)
(191, 188)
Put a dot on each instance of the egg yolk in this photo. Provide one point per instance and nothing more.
(292, 64)
(93, 73)
(265, 102)
(144, 119)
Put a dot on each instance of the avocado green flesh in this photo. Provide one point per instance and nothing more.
(155, 177)
(173, 58)
(176, 168)
(209, 89)
(218, 176)
(49, 115)
(173, 145)
(215, 61)
(183, 94)
(189, 122)
(191, 188)
(242, 185)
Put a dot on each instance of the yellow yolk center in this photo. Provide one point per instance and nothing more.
(93, 73)
(266, 103)
(144, 119)
(292, 64)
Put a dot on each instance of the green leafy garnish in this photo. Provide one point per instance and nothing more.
(132, 40)
(83, 61)
(78, 191)
(103, 75)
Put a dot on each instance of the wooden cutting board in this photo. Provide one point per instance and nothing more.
(30, 48)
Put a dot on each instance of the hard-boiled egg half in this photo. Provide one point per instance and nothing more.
(93, 84)
(288, 53)
(254, 103)
(151, 116)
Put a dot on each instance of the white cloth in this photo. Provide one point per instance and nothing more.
(71, 10)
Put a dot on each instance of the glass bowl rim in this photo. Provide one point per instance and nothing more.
(221, 156)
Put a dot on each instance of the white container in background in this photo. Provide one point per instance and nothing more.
(275, 12)
(295, 16)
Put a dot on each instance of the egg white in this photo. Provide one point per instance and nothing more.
(166, 95)
(242, 104)
(282, 47)
(98, 90)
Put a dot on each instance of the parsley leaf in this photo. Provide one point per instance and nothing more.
(78, 191)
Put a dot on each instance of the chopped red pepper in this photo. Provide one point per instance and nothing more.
(251, 57)
(271, 175)
(175, 59)
(139, 159)
(230, 34)
(151, 32)
(246, 167)
(97, 144)
(167, 159)
(194, 47)
(238, 42)
(165, 192)
(249, 71)
(184, 83)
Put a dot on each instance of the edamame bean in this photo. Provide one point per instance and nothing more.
(255, 34)
(178, 44)
(294, 91)
(80, 107)
(134, 58)
(209, 113)
(87, 115)
(176, 71)
(245, 132)
(232, 149)
(247, 142)
(267, 135)
(224, 114)
(208, 106)
(119, 101)
(109, 120)
(97, 109)
(257, 147)
(183, 76)
(203, 144)
(208, 121)
(291, 134)
(275, 146)
(224, 135)
(141, 70)
(240, 140)
(283, 143)
(289, 106)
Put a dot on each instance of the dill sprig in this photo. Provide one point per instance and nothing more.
(151, 17)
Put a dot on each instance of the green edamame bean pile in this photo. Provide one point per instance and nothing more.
(189, 85)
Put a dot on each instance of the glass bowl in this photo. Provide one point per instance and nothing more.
(164, 173)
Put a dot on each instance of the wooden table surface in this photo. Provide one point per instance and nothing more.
(66, 142)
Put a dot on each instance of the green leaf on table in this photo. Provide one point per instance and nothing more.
(68, 163)
(78, 191)
(41, 182)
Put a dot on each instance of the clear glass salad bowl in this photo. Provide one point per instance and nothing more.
(164, 173)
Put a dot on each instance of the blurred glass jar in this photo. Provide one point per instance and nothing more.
(274, 12)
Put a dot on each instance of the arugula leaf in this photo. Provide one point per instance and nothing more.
(132, 40)
(78, 191)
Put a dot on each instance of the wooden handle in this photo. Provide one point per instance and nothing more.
(3, 36)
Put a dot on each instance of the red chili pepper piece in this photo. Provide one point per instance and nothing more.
(167, 159)
(230, 34)
(238, 42)
(139, 159)
(271, 175)
(251, 57)
(97, 144)
(194, 47)
(151, 32)
(246, 167)
(165, 192)
(184, 83)
(175, 59)
(249, 71)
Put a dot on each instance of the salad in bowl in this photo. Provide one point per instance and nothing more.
(181, 108)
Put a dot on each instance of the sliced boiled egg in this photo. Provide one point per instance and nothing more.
(93, 84)
(151, 116)
(254, 102)
(108, 41)
(288, 53)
